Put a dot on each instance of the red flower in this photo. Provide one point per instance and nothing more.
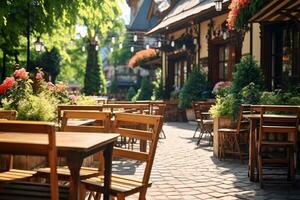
(7, 84)
(21, 74)
(140, 56)
(50, 85)
(235, 7)
(39, 76)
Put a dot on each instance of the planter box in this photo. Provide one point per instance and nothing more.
(220, 122)
(190, 115)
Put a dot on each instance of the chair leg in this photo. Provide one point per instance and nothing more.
(142, 195)
(200, 138)
(196, 130)
(260, 170)
(163, 134)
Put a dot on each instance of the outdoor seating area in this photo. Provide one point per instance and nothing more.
(150, 99)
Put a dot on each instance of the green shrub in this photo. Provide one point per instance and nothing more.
(39, 108)
(145, 91)
(227, 106)
(246, 72)
(195, 88)
(130, 94)
(250, 94)
(85, 100)
(158, 91)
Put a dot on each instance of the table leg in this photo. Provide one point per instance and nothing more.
(74, 163)
(107, 171)
(252, 150)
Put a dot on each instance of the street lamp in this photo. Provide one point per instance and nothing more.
(38, 45)
(218, 5)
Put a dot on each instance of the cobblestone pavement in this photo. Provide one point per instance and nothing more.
(183, 171)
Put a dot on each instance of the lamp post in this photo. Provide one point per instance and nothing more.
(218, 5)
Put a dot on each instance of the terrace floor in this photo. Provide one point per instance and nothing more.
(184, 171)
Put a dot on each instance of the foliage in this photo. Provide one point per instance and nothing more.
(145, 91)
(113, 89)
(50, 62)
(141, 56)
(38, 108)
(84, 100)
(280, 97)
(175, 94)
(246, 72)
(227, 106)
(193, 89)
(240, 13)
(34, 99)
(130, 94)
(158, 91)
(222, 88)
(250, 94)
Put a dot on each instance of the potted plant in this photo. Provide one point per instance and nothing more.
(195, 88)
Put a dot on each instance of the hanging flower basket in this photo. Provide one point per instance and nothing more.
(141, 56)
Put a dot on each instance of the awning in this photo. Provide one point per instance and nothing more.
(278, 10)
(183, 10)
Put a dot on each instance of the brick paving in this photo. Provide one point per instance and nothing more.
(183, 171)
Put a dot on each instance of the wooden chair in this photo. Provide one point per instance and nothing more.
(122, 186)
(231, 140)
(204, 122)
(158, 108)
(98, 122)
(24, 190)
(277, 140)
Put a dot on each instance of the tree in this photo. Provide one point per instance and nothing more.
(98, 16)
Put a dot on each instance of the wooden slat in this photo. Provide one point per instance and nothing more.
(134, 155)
(138, 118)
(132, 133)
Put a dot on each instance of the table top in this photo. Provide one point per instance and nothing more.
(65, 141)
(276, 116)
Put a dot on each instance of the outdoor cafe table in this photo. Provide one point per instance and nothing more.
(73, 146)
(254, 125)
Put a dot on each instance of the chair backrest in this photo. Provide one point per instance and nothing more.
(62, 108)
(147, 128)
(279, 119)
(200, 107)
(48, 149)
(158, 109)
(90, 121)
(244, 109)
(8, 114)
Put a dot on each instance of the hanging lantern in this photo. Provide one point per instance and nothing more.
(120, 46)
(183, 47)
(147, 46)
(111, 49)
(38, 45)
(159, 44)
(135, 38)
(83, 48)
(96, 47)
(218, 5)
(113, 40)
(132, 49)
(172, 44)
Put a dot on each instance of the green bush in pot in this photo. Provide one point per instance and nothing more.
(195, 88)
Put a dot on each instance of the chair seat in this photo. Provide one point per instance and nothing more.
(16, 174)
(206, 121)
(30, 191)
(64, 172)
(231, 130)
(119, 184)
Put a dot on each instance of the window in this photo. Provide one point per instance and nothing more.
(223, 62)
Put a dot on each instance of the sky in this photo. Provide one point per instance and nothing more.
(125, 11)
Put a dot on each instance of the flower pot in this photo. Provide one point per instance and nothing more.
(220, 122)
(190, 115)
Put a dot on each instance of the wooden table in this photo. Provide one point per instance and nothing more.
(73, 146)
(254, 125)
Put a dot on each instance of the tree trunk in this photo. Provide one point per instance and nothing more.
(3, 66)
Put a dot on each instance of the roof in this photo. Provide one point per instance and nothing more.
(141, 22)
(182, 10)
(278, 10)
